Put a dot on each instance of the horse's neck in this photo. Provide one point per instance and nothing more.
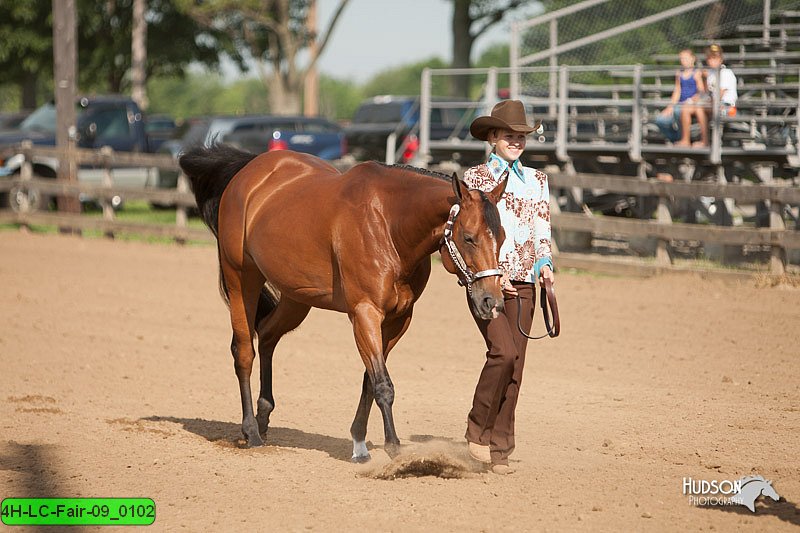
(419, 227)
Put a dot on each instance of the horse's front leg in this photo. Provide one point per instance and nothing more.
(367, 327)
(391, 331)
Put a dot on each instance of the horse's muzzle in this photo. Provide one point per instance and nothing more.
(485, 305)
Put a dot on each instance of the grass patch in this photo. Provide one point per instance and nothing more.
(137, 212)
(140, 211)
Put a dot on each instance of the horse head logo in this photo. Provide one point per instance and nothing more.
(751, 488)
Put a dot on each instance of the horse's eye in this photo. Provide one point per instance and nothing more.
(469, 239)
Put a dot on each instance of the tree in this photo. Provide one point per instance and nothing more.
(273, 32)
(471, 18)
(174, 40)
(26, 55)
(405, 79)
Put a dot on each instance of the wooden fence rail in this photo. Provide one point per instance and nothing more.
(104, 193)
(777, 235)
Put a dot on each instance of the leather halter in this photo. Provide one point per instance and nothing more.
(465, 276)
(547, 298)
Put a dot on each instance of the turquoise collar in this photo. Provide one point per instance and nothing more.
(497, 166)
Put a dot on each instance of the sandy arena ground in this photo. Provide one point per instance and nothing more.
(116, 381)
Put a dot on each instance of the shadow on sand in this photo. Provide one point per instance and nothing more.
(34, 472)
(229, 434)
(783, 509)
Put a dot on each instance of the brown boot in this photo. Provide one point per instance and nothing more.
(502, 470)
(479, 453)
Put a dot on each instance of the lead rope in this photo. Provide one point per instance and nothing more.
(547, 297)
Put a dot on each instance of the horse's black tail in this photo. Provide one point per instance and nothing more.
(209, 170)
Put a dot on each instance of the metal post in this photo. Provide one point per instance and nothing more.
(636, 116)
(767, 10)
(491, 97)
(513, 53)
(553, 66)
(561, 124)
(424, 119)
(391, 148)
(716, 124)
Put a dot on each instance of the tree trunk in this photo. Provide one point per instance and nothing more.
(311, 84)
(139, 55)
(462, 46)
(283, 99)
(29, 86)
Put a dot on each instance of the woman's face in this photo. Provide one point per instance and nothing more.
(508, 144)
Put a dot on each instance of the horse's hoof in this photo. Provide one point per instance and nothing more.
(265, 408)
(361, 459)
(255, 443)
(392, 449)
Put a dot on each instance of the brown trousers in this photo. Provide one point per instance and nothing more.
(491, 420)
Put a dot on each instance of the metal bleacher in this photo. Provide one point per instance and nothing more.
(600, 119)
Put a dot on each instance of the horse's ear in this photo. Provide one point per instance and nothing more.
(497, 193)
(458, 187)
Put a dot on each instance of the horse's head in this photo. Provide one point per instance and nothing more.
(473, 236)
(768, 490)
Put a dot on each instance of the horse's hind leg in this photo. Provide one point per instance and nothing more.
(243, 286)
(283, 319)
(358, 430)
(391, 331)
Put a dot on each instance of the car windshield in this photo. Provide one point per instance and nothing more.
(44, 119)
(41, 120)
(381, 113)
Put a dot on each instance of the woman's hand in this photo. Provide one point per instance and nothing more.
(546, 273)
(509, 289)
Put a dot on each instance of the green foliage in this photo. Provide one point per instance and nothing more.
(174, 40)
(205, 94)
(338, 99)
(494, 56)
(26, 48)
(405, 80)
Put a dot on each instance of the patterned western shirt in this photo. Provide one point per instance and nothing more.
(524, 214)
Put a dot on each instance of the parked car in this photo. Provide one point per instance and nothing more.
(257, 134)
(12, 120)
(159, 129)
(378, 117)
(114, 121)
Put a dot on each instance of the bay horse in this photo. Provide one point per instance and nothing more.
(294, 233)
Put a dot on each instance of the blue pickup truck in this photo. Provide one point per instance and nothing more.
(114, 121)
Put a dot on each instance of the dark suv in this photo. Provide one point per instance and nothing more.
(380, 116)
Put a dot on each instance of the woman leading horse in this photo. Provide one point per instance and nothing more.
(294, 233)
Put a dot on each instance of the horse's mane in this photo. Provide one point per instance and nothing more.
(490, 212)
(420, 171)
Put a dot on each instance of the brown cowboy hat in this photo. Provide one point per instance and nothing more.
(506, 115)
